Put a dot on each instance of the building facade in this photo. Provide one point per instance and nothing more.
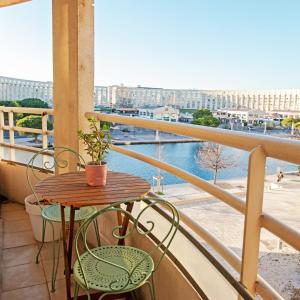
(242, 115)
(121, 96)
(162, 113)
(17, 89)
(268, 100)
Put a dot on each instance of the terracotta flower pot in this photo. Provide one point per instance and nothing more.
(96, 174)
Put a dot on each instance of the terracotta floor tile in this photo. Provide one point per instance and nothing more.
(22, 276)
(14, 215)
(60, 290)
(17, 226)
(18, 239)
(47, 252)
(11, 206)
(37, 292)
(48, 264)
(19, 255)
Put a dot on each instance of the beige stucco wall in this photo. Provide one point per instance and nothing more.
(13, 182)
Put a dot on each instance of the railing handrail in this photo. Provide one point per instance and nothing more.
(279, 148)
(27, 110)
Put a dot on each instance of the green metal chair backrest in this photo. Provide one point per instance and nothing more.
(43, 160)
(143, 227)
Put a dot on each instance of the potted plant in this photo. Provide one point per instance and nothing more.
(98, 142)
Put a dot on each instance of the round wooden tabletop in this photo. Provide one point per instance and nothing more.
(71, 189)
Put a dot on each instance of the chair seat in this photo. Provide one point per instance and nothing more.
(52, 213)
(104, 277)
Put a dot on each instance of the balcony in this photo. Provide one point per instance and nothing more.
(194, 249)
(199, 265)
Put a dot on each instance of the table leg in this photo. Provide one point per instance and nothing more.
(120, 220)
(71, 234)
(64, 237)
(125, 223)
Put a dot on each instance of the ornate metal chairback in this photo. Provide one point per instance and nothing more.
(42, 160)
(141, 224)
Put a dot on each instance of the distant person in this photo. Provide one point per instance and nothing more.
(280, 176)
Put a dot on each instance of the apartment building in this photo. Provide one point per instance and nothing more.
(16, 89)
(266, 100)
(122, 96)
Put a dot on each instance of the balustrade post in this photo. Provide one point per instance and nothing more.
(1, 131)
(252, 224)
(45, 130)
(11, 135)
(11, 128)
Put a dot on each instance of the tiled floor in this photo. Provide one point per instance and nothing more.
(21, 277)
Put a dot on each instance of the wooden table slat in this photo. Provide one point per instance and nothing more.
(71, 189)
(81, 188)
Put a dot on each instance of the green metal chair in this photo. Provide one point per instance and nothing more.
(118, 269)
(51, 213)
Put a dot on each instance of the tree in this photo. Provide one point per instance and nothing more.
(33, 102)
(33, 121)
(202, 113)
(207, 121)
(212, 156)
(205, 117)
(12, 103)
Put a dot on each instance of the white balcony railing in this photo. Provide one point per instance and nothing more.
(260, 147)
(12, 128)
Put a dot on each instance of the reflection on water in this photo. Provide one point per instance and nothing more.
(182, 155)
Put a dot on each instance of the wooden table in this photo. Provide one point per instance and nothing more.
(70, 189)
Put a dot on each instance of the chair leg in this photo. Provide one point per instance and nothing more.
(76, 291)
(152, 288)
(55, 259)
(43, 241)
(133, 294)
(81, 235)
(103, 295)
(95, 222)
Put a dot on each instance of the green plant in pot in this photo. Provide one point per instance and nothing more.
(98, 143)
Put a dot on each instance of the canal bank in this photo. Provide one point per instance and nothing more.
(188, 194)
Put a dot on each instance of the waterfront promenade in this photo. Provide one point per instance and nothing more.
(279, 263)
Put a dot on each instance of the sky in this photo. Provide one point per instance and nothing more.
(215, 44)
